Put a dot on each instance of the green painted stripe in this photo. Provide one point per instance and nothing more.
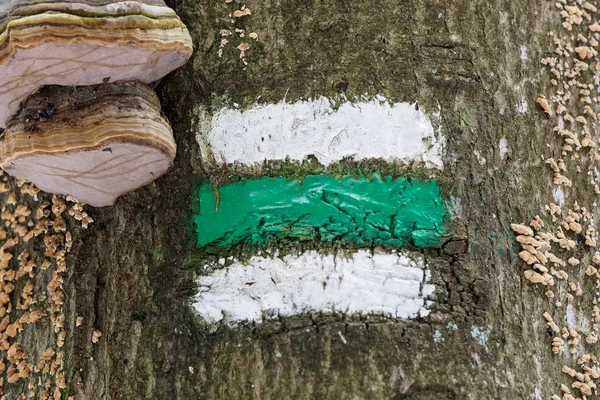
(361, 211)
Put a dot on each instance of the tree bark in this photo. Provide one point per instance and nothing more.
(132, 274)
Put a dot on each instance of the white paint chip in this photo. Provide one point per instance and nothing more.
(295, 131)
(570, 315)
(522, 106)
(559, 195)
(523, 53)
(390, 284)
(503, 148)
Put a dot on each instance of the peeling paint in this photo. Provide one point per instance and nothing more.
(522, 106)
(369, 129)
(559, 195)
(523, 53)
(363, 211)
(502, 148)
(391, 284)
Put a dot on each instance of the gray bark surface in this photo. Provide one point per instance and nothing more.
(132, 272)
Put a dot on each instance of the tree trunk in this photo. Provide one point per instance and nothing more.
(473, 68)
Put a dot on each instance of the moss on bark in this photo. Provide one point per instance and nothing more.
(460, 57)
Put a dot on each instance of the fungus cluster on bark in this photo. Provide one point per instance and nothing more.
(100, 134)
(561, 247)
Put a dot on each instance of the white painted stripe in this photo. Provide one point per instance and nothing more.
(374, 129)
(388, 283)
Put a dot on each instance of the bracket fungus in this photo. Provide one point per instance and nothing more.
(94, 143)
(85, 42)
(106, 137)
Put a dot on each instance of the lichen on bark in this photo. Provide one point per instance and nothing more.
(459, 58)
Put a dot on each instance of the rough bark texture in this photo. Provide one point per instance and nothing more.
(132, 273)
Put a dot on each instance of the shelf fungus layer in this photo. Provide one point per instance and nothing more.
(94, 142)
(85, 42)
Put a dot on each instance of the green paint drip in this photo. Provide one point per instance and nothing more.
(361, 211)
